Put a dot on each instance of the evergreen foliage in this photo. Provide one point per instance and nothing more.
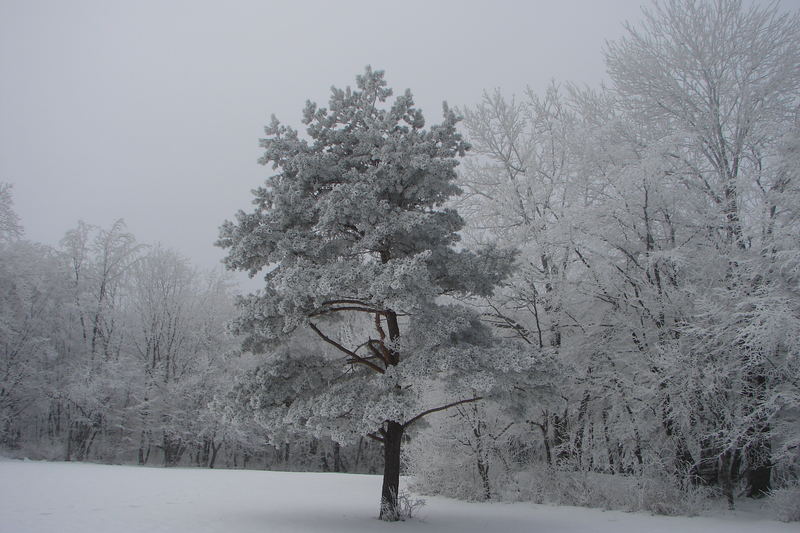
(355, 223)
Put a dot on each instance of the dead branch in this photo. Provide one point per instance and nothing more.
(357, 358)
(441, 408)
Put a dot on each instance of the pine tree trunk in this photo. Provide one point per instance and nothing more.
(391, 471)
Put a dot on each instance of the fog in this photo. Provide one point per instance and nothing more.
(151, 111)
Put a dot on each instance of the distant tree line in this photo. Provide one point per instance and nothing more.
(115, 351)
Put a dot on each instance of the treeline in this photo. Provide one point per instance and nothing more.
(115, 351)
(658, 224)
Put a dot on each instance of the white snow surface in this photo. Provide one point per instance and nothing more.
(42, 497)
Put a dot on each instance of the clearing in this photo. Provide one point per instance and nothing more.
(42, 497)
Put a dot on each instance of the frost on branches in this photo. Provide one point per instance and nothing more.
(359, 252)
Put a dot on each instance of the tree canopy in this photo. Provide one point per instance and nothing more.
(355, 222)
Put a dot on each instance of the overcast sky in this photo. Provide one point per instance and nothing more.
(151, 111)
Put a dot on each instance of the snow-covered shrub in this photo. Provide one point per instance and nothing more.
(665, 495)
(437, 470)
(464, 455)
(532, 484)
(656, 494)
(44, 450)
(444, 460)
(542, 484)
(406, 508)
(784, 503)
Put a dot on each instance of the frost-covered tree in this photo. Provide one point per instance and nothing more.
(10, 228)
(724, 80)
(32, 302)
(98, 262)
(354, 225)
(656, 225)
(109, 352)
(177, 340)
(466, 453)
(724, 76)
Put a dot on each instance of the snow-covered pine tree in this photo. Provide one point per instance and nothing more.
(354, 224)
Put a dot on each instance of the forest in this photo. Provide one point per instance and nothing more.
(585, 296)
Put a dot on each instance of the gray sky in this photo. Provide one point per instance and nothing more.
(151, 111)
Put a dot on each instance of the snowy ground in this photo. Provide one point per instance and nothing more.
(38, 497)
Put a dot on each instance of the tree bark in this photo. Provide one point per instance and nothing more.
(214, 451)
(483, 472)
(337, 458)
(727, 466)
(392, 437)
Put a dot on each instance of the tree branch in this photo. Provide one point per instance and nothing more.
(374, 437)
(377, 352)
(344, 308)
(357, 358)
(441, 408)
(507, 323)
(378, 326)
(346, 301)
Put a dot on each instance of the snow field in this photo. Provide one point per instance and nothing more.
(41, 497)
